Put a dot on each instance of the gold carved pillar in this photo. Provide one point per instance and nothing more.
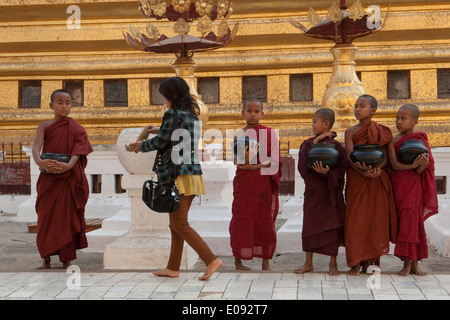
(184, 68)
(344, 87)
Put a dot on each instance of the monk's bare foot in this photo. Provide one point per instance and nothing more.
(67, 264)
(406, 268)
(239, 265)
(416, 270)
(354, 271)
(266, 264)
(167, 273)
(211, 268)
(305, 268)
(333, 270)
(365, 265)
(45, 264)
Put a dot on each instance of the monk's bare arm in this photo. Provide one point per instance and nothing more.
(422, 160)
(37, 147)
(348, 143)
(38, 142)
(61, 167)
(349, 147)
(396, 165)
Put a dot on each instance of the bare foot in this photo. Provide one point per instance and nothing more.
(67, 264)
(405, 271)
(333, 270)
(210, 269)
(416, 270)
(354, 271)
(167, 273)
(406, 268)
(305, 268)
(239, 265)
(365, 265)
(45, 264)
(266, 265)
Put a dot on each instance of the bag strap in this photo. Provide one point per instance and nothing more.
(160, 152)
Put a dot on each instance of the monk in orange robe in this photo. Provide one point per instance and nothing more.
(62, 190)
(370, 216)
(255, 191)
(414, 192)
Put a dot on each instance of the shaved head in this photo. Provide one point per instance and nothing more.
(326, 114)
(414, 110)
(373, 102)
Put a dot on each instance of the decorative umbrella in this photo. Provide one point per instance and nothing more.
(183, 45)
(342, 25)
(183, 12)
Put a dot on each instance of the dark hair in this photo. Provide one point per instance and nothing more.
(176, 90)
(326, 114)
(414, 110)
(373, 102)
(247, 101)
(54, 93)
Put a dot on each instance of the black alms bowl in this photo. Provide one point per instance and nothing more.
(324, 152)
(410, 149)
(60, 157)
(240, 144)
(370, 154)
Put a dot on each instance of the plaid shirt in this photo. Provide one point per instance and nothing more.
(165, 137)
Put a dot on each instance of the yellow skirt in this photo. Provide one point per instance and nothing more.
(190, 184)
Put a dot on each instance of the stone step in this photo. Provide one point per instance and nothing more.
(218, 242)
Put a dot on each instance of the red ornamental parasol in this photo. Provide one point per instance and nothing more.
(183, 44)
(343, 24)
(344, 31)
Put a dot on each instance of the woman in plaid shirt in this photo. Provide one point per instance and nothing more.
(188, 174)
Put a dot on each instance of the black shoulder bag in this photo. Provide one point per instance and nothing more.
(162, 197)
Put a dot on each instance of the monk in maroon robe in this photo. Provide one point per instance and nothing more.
(62, 192)
(416, 200)
(323, 205)
(415, 193)
(255, 191)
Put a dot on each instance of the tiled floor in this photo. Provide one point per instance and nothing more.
(224, 285)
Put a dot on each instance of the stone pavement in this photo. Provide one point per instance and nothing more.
(132, 285)
(20, 280)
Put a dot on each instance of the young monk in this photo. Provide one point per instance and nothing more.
(62, 192)
(255, 192)
(370, 215)
(323, 205)
(414, 192)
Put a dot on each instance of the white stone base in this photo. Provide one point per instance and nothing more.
(289, 236)
(95, 208)
(143, 252)
(9, 203)
(291, 207)
(112, 228)
(437, 228)
(212, 224)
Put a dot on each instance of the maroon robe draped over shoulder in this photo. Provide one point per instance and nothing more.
(323, 205)
(61, 198)
(370, 214)
(416, 200)
(255, 203)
